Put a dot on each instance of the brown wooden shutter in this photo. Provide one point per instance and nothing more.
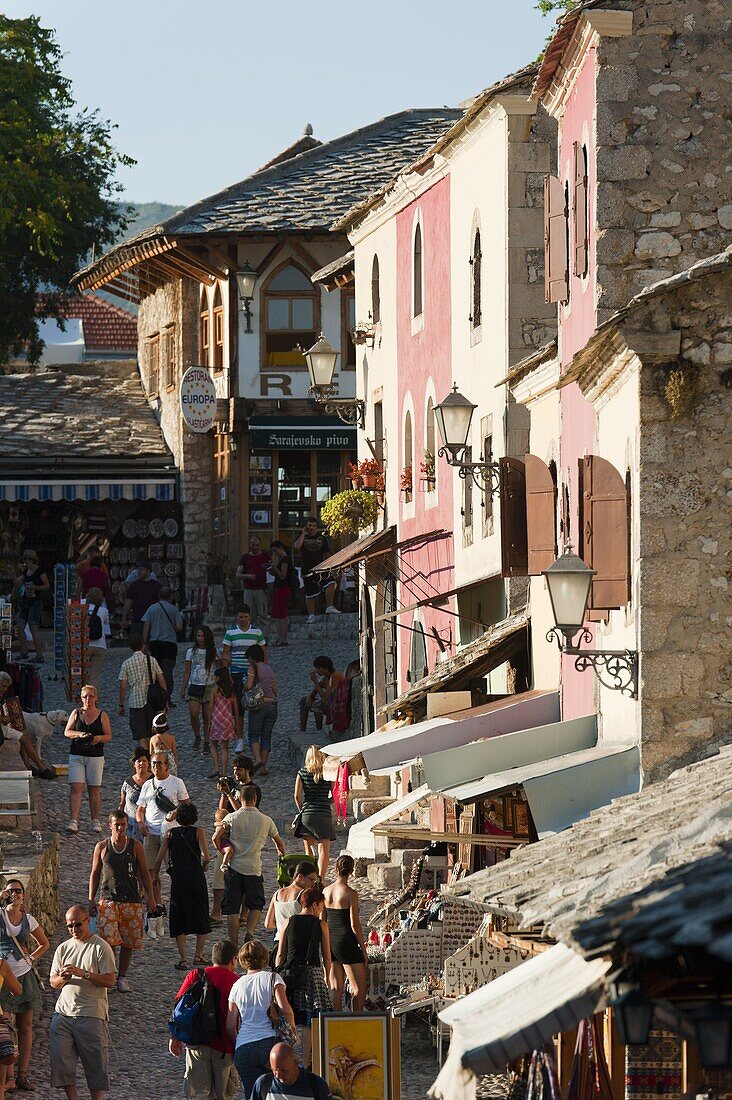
(541, 515)
(513, 518)
(580, 209)
(605, 531)
(556, 259)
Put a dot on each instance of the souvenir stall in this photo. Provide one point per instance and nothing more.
(156, 534)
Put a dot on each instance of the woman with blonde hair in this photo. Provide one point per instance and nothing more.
(314, 798)
(88, 731)
(248, 1024)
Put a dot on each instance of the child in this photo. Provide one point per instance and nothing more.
(163, 740)
(224, 716)
(223, 857)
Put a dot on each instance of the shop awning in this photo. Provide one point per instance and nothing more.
(300, 433)
(357, 551)
(361, 839)
(128, 488)
(497, 645)
(517, 1013)
(387, 750)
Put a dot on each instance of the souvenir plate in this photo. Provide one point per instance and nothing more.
(172, 568)
(129, 529)
(114, 554)
(141, 528)
(170, 528)
(124, 555)
(157, 528)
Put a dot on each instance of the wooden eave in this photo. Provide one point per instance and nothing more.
(140, 269)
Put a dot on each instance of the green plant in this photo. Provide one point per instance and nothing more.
(349, 512)
(680, 391)
(427, 465)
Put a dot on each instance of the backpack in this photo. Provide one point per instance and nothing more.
(268, 1080)
(95, 625)
(195, 1016)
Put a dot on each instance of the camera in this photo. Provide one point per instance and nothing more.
(227, 784)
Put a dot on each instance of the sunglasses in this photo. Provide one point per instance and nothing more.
(76, 923)
(15, 890)
(158, 763)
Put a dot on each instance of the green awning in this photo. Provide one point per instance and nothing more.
(300, 433)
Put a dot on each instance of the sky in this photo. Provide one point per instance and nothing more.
(203, 92)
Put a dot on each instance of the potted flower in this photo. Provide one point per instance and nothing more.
(349, 512)
(405, 482)
(354, 473)
(427, 470)
(369, 470)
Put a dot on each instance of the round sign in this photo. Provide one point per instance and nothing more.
(198, 399)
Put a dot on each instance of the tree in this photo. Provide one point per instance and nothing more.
(548, 7)
(57, 184)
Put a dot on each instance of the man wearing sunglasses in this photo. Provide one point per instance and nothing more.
(82, 971)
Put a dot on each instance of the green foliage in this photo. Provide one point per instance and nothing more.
(548, 7)
(57, 184)
(349, 512)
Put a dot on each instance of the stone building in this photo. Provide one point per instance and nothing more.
(273, 458)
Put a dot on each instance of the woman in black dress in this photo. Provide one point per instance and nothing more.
(187, 848)
(305, 950)
(347, 947)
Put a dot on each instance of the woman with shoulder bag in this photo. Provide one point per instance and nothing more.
(249, 1023)
(15, 927)
(88, 730)
(198, 679)
(305, 951)
(263, 716)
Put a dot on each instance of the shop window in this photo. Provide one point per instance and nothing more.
(476, 270)
(290, 317)
(581, 211)
(375, 292)
(417, 654)
(348, 324)
(417, 272)
(170, 359)
(204, 330)
(556, 247)
(218, 331)
(153, 365)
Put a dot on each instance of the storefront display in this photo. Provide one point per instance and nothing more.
(77, 640)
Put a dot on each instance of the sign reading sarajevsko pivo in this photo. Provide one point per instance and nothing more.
(198, 399)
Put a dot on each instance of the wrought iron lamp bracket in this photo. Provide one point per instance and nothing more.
(350, 410)
(616, 669)
(486, 475)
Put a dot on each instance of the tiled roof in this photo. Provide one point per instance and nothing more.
(555, 50)
(652, 871)
(307, 192)
(303, 143)
(82, 411)
(107, 328)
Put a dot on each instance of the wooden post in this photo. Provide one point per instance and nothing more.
(615, 1055)
(565, 1045)
(692, 1074)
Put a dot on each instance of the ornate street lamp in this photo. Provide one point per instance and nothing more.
(454, 416)
(246, 279)
(321, 360)
(569, 580)
(633, 1014)
(713, 1024)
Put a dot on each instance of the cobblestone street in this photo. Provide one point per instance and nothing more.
(138, 1019)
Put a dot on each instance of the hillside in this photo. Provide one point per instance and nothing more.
(147, 214)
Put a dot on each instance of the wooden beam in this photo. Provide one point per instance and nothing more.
(173, 263)
(223, 259)
(203, 265)
(303, 253)
(407, 833)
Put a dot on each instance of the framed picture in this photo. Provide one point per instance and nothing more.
(358, 1055)
(260, 463)
(260, 489)
(260, 517)
(520, 818)
(175, 550)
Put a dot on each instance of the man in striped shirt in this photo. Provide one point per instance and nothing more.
(237, 641)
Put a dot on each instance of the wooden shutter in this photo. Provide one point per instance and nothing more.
(556, 260)
(541, 515)
(513, 518)
(580, 209)
(604, 528)
(367, 663)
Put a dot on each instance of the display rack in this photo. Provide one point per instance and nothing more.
(6, 630)
(64, 581)
(77, 636)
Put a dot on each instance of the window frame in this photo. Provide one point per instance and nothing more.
(417, 270)
(170, 362)
(218, 331)
(153, 364)
(266, 295)
(204, 329)
(375, 290)
(347, 344)
(476, 283)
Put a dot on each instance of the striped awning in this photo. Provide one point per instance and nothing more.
(88, 490)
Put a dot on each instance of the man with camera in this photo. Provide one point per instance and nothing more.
(158, 800)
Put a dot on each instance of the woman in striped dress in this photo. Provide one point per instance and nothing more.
(314, 797)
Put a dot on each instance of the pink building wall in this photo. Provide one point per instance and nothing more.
(577, 322)
(424, 356)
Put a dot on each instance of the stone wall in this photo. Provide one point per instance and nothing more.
(177, 303)
(663, 198)
(686, 523)
(38, 871)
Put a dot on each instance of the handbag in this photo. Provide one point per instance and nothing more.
(24, 955)
(162, 801)
(284, 1030)
(254, 698)
(157, 697)
(296, 973)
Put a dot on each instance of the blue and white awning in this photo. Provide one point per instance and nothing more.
(88, 490)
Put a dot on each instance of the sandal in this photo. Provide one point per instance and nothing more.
(206, 748)
(180, 965)
(22, 1082)
(196, 744)
(198, 960)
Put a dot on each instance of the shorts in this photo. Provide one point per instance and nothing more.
(315, 583)
(219, 879)
(152, 845)
(195, 691)
(31, 611)
(120, 923)
(238, 888)
(261, 723)
(86, 769)
(140, 723)
(74, 1037)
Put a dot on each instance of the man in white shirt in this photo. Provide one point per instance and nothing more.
(82, 971)
(159, 797)
(248, 830)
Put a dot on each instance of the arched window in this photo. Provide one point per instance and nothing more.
(476, 262)
(407, 477)
(430, 428)
(417, 272)
(218, 330)
(375, 292)
(417, 653)
(204, 330)
(290, 316)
